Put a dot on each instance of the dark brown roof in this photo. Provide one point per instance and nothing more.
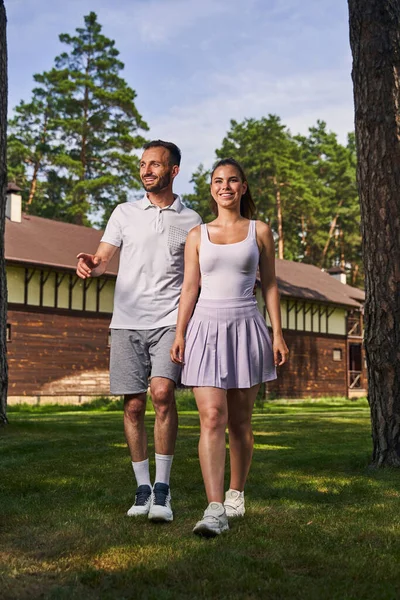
(12, 187)
(307, 282)
(41, 241)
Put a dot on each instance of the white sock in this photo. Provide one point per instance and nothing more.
(142, 472)
(163, 467)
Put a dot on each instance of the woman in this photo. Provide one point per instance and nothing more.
(228, 352)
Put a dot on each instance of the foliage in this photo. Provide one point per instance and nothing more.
(303, 186)
(72, 147)
(184, 401)
(318, 524)
(199, 200)
(332, 227)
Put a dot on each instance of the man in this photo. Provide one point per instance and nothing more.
(151, 235)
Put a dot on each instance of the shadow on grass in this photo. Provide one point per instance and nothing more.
(318, 523)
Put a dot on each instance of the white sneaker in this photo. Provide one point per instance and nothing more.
(142, 502)
(160, 507)
(234, 503)
(214, 521)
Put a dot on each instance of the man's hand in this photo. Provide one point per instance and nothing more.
(88, 265)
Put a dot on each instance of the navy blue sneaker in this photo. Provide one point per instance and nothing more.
(160, 507)
(142, 502)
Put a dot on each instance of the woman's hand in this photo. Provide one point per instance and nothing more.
(177, 350)
(281, 351)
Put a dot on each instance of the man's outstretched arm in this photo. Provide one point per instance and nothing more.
(94, 265)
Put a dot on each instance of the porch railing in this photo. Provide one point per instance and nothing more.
(355, 380)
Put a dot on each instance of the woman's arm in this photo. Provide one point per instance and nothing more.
(269, 289)
(189, 294)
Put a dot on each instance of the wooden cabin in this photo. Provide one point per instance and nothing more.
(322, 321)
(57, 325)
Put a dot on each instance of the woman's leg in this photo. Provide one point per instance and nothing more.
(213, 411)
(240, 408)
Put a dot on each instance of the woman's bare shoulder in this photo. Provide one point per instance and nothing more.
(263, 229)
(193, 237)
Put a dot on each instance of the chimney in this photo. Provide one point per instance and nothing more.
(338, 273)
(14, 203)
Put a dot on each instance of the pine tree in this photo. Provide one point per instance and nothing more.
(277, 177)
(85, 130)
(333, 235)
(199, 200)
(375, 44)
(30, 150)
(303, 186)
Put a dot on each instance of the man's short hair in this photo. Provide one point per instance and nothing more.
(174, 152)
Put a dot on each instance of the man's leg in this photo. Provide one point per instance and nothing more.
(165, 431)
(129, 369)
(136, 437)
(166, 422)
(164, 375)
(135, 431)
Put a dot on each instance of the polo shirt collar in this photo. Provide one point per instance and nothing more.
(145, 203)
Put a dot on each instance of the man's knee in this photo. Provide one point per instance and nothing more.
(135, 407)
(162, 395)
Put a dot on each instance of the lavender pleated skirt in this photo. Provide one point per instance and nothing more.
(227, 345)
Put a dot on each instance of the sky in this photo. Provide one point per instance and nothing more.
(197, 64)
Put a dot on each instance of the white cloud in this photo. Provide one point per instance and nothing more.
(299, 100)
(196, 64)
(162, 21)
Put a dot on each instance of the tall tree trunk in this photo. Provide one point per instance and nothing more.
(354, 273)
(279, 218)
(375, 44)
(330, 235)
(304, 236)
(38, 163)
(3, 182)
(341, 246)
(32, 189)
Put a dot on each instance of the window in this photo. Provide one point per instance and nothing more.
(8, 332)
(337, 354)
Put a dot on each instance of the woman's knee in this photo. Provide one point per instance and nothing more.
(240, 426)
(213, 419)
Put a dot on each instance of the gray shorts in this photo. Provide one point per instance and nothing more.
(137, 355)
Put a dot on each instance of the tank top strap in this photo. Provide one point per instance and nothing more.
(252, 229)
(204, 234)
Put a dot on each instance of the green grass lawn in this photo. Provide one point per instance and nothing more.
(319, 524)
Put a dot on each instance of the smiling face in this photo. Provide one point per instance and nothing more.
(227, 187)
(156, 171)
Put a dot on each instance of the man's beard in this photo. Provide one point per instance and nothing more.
(159, 185)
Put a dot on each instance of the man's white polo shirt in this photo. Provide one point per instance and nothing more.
(150, 275)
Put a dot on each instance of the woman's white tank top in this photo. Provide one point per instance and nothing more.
(228, 270)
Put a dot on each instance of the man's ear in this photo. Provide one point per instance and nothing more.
(175, 171)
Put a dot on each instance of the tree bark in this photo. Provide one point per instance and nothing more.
(375, 44)
(3, 187)
(32, 188)
(279, 218)
(330, 235)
